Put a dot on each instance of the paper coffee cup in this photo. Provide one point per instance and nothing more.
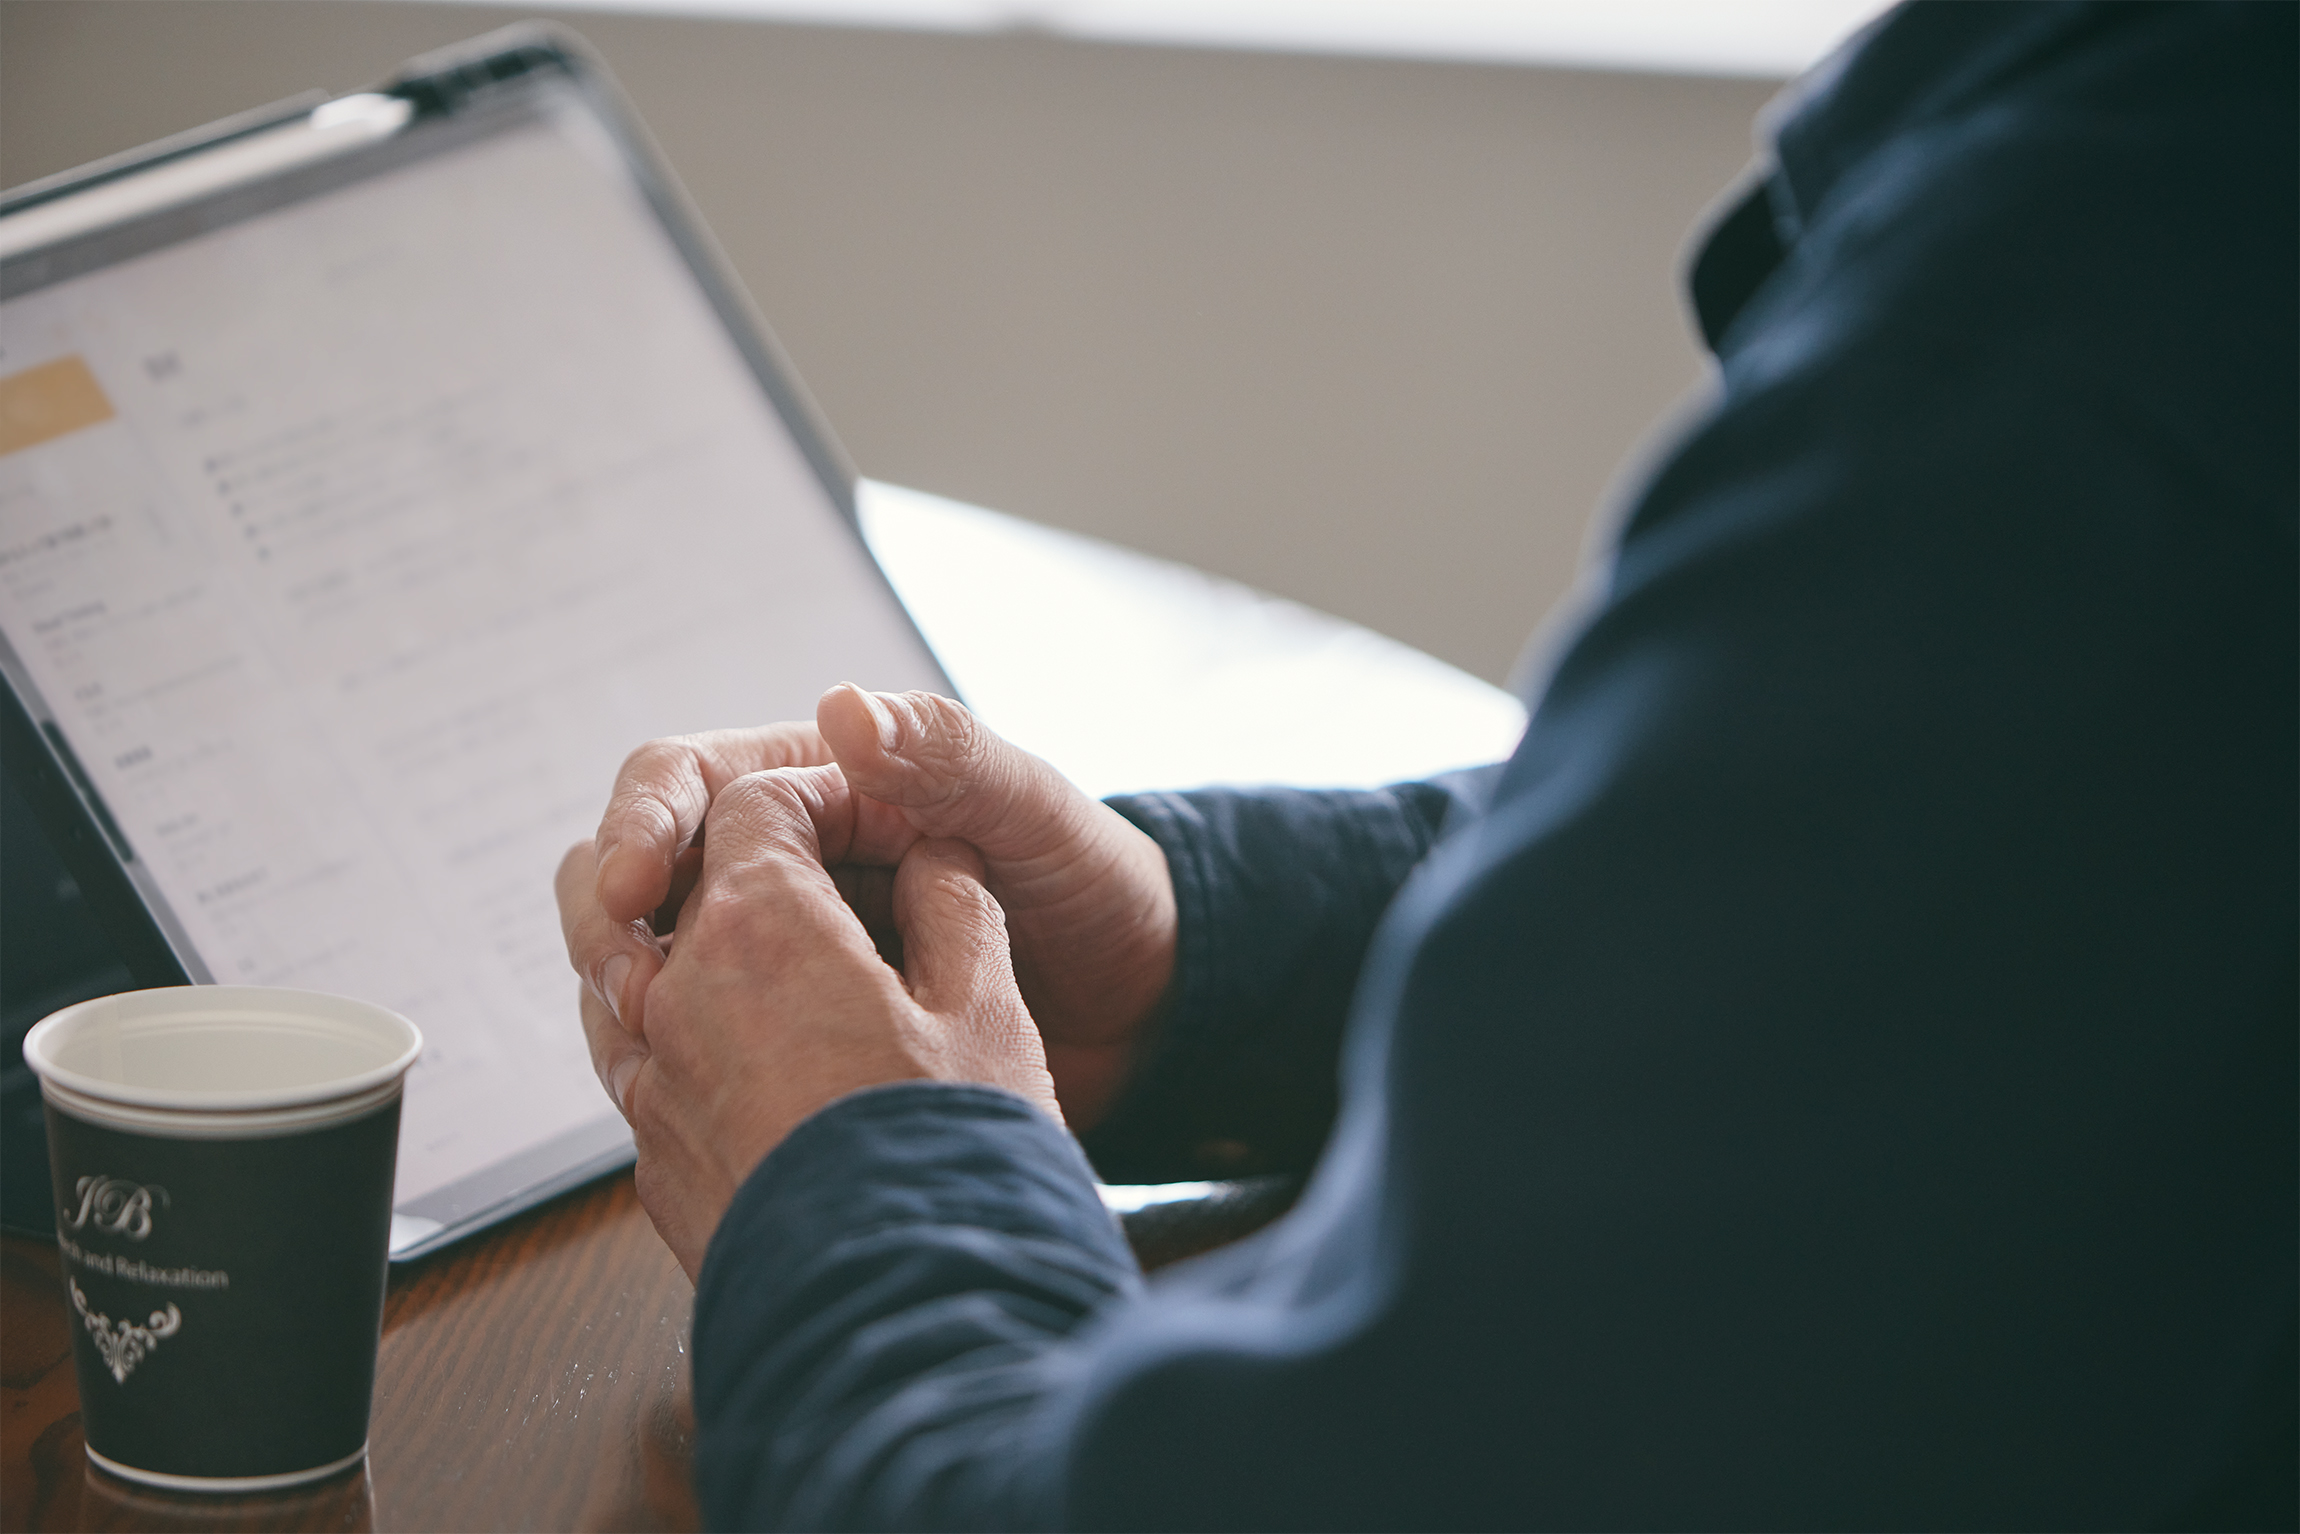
(222, 1160)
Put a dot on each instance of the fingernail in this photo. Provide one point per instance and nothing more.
(602, 855)
(612, 974)
(619, 1082)
(883, 717)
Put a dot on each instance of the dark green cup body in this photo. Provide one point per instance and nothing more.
(226, 1294)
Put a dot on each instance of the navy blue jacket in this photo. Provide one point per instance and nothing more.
(1841, 1071)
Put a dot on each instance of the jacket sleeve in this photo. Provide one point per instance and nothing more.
(877, 1317)
(1278, 892)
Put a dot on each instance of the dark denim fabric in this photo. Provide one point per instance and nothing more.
(1845, 1075)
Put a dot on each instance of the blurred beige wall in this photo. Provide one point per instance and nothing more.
(1376, 335)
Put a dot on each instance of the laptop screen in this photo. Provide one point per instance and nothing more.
(351, 542)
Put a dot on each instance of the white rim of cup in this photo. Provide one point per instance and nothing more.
(179, 1111)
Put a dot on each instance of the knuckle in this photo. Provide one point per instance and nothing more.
(771, 812)
(654, 775)
(716, 756)
(986, 913)
(955, 722)
(955, 857)
(639, 808)
(969, 905)
(757, 796)
(944, 741)
(657, 759)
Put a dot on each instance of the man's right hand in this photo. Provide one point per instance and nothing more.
(1088, 899)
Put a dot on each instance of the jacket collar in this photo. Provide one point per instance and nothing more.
(1917, 62)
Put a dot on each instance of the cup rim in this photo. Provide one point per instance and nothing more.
(196, 1001)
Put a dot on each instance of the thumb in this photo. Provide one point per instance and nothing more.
(959, 969)
(931, 758)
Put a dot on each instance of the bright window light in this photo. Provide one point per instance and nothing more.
(1764, 38)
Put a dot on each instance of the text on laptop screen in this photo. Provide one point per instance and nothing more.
(353, 545)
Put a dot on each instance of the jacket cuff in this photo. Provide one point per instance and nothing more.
(912, 1153)
(1277, 894)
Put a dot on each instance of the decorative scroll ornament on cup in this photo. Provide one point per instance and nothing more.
(124, 1345)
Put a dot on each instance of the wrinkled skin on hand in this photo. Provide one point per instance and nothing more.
(771, 919)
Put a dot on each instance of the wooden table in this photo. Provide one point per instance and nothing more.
(533, 1377)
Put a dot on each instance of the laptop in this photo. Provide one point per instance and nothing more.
(375, 474)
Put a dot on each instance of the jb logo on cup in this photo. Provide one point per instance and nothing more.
(117, 1205)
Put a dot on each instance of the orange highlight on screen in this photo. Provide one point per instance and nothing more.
(43, 403)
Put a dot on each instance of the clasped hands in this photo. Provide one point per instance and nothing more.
(771, 919)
